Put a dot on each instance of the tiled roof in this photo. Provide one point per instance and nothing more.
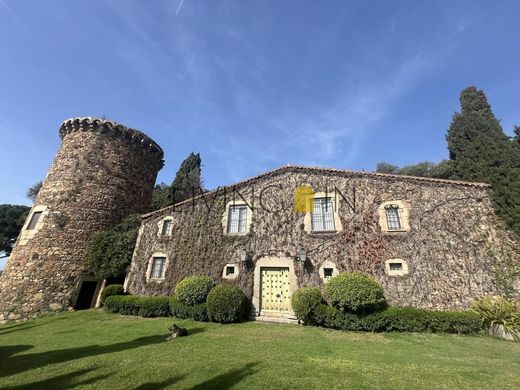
(342, 172)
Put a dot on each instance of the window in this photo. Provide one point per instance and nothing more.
(395, 266)
(323, 215)
(34, 220)
(393, 219)
(327, 272)
(230, 270)
(166, 228)
(237, 222)
(157, 271)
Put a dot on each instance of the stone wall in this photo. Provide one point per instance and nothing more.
(454, 246)
(102, 172)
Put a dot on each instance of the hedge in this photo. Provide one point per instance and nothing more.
(113, 289)
(354, 292)
(194, 290)
(154, 307)
(226, 304)
(398, 319)
(124, 304)
(196, 312)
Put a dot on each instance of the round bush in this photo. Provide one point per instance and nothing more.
(355, 292)
(194, 290)
(113, 289)
(304, 302)
(226, 303)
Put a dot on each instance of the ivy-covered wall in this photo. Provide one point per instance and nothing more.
(455, 249)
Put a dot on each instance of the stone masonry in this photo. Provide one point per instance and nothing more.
(452, 244)
(102, 172)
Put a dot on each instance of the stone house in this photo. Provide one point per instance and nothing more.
(431, 243)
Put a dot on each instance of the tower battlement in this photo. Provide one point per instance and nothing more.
(84, 124)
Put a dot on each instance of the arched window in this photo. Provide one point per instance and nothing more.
(393, 216)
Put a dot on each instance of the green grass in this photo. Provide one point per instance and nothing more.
(92, 349)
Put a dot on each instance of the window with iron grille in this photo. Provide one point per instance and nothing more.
(237, 220)
(393, 219)
(157, 271)
(34, 220)
(166, 228)
(323, 215)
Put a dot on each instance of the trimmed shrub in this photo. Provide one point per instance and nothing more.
(226, 303)
(398, 319)
(304, 301)
(113, 289)
(456, 322)
(123, 304)
(154, 307)
(194, 290)
(196, 312)
(355, 292)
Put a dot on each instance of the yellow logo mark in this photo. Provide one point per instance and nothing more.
(303, 199)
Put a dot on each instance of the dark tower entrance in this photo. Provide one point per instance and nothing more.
(86, 295)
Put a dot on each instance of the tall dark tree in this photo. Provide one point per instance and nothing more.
(481, 151)
(188, 178)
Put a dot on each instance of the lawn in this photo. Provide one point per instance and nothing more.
(92, 349)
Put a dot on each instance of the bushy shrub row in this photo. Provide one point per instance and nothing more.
(223, 303)
(138, 306)
(398, 319)
(196, 312)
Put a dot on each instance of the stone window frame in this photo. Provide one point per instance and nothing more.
(160, 225)
(225, 217)
(393, 272)
(27, 234)
(231, 276)
(150, 264)
(403, 212)
(321, 270)
(338, 227)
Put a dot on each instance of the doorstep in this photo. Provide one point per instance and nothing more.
(276, 320)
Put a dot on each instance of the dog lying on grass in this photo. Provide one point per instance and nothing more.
(176, 331)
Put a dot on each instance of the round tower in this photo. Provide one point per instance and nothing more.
(103, 171)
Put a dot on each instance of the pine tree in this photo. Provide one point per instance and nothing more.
(481, 151)
(188, 179)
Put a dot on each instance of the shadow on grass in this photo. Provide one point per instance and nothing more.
(227, 380)
(9, 350)
(65, 381)
(15, 364)
(160, 385)
(18, 327)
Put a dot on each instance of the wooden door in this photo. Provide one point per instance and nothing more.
(276, 292)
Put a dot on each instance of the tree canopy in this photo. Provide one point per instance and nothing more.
(33, 191)
(186, 183)
(110, 252)
(479, 150)
(12, 218)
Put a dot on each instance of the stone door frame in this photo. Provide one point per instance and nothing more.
(271, 262)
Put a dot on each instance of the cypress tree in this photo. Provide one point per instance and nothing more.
(188, 179)
(481, 151)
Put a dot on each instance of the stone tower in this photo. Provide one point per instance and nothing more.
(103, 171)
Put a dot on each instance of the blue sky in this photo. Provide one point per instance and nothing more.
(251, 85)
